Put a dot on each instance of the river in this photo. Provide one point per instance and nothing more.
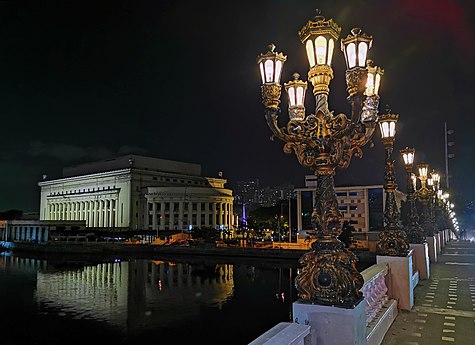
(179, 300)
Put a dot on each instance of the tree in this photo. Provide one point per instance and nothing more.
(346, 235)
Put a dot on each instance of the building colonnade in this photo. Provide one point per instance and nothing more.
(96, 213)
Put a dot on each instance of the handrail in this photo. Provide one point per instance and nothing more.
(374, 289)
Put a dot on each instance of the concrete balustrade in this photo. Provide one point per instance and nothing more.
(284, 333)
(366, 324)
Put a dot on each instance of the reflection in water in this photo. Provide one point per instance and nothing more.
(209, 298)
(138, 293)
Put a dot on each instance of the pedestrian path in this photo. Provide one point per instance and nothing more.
(444, 304)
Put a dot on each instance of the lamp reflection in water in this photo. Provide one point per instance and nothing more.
(324, 141)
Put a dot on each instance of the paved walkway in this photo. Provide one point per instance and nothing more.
(444, 304)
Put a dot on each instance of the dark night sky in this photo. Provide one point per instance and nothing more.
(87, 80)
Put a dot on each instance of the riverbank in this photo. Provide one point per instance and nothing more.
(149, 250)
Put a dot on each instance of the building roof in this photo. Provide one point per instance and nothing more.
(133, 161)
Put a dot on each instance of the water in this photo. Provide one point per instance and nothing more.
(53, 300)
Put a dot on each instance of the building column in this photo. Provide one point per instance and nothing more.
(198, 215)
(190, 214)
(181, 207)
(213, 221)
(154, 215)
(299, 211)
(162, 215)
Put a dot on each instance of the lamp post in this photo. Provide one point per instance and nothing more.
(392, 240)
(414, 232)
(424, 195)
(322, 142)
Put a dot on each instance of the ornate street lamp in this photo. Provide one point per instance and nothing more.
(392, 240)
(424, 196)
(414, 232)
(322, 142)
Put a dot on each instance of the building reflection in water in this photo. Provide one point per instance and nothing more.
(132, 294)
(133, 300)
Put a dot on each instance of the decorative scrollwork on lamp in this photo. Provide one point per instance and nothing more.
(324, 141)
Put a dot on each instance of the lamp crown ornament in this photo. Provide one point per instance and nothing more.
(324, 141)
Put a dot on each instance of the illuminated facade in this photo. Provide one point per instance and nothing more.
(138, 192)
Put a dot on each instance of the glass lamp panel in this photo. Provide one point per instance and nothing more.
(392, 129)
(384, 127)
(263, 74)
(310, 53)
(278, 71)
(291, 92)
(377, 83)
(362, 52)
(423, 172)
(351, 55)
(414, 181)
(300, 95)
(269, 68)
(331, 46)
(429, 181)
(408, 158)
(321, 49)
(370, 85)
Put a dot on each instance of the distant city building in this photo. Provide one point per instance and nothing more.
(138, 193)
(247, 191)
(363, 206)
(249, 196)
(270, 196)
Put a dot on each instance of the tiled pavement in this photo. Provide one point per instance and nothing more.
(444, 304)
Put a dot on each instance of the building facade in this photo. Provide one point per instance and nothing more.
(36, 231)
(138, 193)
(362, 206)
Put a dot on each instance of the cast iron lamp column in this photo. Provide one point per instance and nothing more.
(423, 195)
(432, 198)
(324, 141)
(392, 240)
(414, 232)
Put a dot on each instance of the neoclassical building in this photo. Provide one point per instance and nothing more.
(138, 193)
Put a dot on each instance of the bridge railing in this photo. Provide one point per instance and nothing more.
(380, 312)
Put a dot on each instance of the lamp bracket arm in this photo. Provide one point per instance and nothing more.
(272, 117)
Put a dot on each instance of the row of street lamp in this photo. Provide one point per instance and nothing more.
(324, 141)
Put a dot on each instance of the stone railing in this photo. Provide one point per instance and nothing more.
(374, 290)
(288, 333)
(381, 310)
(380, 313)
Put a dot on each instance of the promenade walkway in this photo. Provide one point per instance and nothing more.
(444, 304)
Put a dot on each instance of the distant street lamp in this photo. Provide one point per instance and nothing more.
(414, 232)
(392, 240)
(322, 142)
(424, 196)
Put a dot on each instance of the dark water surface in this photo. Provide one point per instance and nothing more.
(128, 301)
(61, 300)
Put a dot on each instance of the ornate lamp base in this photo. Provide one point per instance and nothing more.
(392, 243)
(415, 234)
(330, 278)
